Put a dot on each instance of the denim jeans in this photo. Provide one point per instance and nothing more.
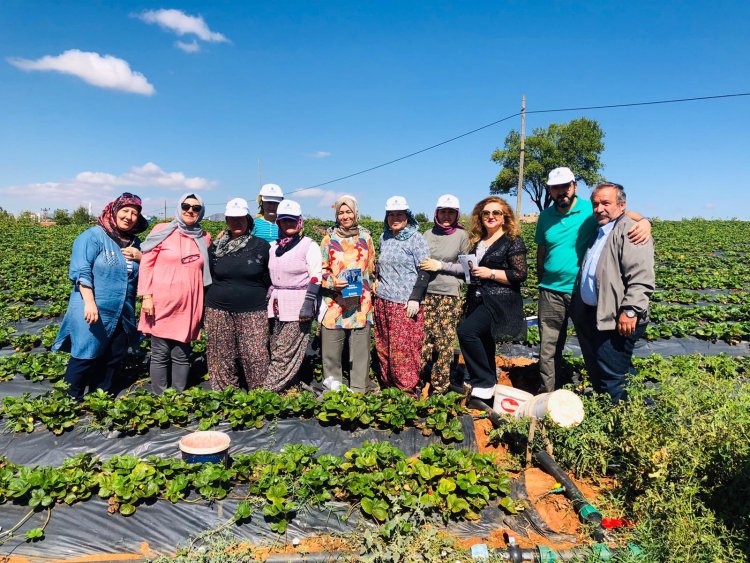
(98, 373)
(608, 355)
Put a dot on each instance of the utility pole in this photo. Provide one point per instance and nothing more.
(165, 209)
(520, 160)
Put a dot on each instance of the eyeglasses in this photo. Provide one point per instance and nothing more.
(495, 213)
(196, 208)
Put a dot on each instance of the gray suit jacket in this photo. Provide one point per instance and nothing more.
(624, 276)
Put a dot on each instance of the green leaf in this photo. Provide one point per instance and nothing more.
(127, 509)
(35, 534)
(446, 486)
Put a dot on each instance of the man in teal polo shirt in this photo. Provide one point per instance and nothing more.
(563, 233)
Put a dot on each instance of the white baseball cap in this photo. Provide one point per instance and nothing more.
(236, 207)
(290, 208)
(396, 203)
(560, 176)
(447, 201)
(271, 192)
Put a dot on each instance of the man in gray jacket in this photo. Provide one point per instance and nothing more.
(610, 304)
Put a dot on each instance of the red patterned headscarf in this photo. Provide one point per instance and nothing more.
(108, 219)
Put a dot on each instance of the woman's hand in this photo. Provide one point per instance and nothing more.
(412, 309)
(147, 307)
(90, 313)
(339, 284)
(430, 265)
(482, 273)
(132, 253)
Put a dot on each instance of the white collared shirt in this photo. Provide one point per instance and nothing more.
(589, 293)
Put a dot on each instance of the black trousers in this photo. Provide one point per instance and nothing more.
(97, 373)
(478, 347)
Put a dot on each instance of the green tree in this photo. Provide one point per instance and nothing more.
(81, 216)
(6, 215)
(28, 217)
(422, 218)
(61, 217)
(577, 144)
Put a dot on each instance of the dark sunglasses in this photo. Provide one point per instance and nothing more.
(196, 208)
(494, 213)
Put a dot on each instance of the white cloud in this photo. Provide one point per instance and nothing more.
(320, 154)
(325, 198)
(709, 205)
(181, 23)
(102, 71)
(101, 187)
(192, 47)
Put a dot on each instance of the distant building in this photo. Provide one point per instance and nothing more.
(529, 218)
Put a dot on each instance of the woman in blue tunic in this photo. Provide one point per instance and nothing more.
(100, 322)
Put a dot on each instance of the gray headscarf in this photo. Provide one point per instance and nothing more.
(194, 231)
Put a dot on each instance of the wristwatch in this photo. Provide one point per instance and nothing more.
(629, 313)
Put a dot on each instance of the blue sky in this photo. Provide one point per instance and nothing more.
(162, 98)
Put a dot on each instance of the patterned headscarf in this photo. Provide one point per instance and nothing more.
(194, 231)
(351, 203)
(108, 219)
(287, 243)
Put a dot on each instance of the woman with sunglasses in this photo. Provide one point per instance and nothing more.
(399, 317)
(494, 307)
(174, 272)
(236, 324)
(99, 324)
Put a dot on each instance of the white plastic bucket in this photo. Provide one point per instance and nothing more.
(509, 399)
(563, 407)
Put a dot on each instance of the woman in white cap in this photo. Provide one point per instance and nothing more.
(265, 222)
(348, 252)
(442, 304)
(174, 272)
(295, 265)
(399, 318)
(236, 325)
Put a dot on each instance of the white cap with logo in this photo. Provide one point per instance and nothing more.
(289, 208)
(560, 176)
(396, 203)
(271, 192)
(447, 201)
(236, 207)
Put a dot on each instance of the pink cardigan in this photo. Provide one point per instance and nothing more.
(172, 273)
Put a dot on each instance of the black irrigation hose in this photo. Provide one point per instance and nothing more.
(582, 506)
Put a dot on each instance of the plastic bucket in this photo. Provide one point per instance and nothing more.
(509, 399)
(532, 321)
(205, 447)
(563, 407)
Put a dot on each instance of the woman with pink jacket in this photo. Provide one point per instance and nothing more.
(174, 271)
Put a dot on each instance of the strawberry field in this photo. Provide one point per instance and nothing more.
(673, 462)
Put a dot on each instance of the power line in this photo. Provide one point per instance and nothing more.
(553, 110)
(409, 155)
(652, 103)
(608, 106)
